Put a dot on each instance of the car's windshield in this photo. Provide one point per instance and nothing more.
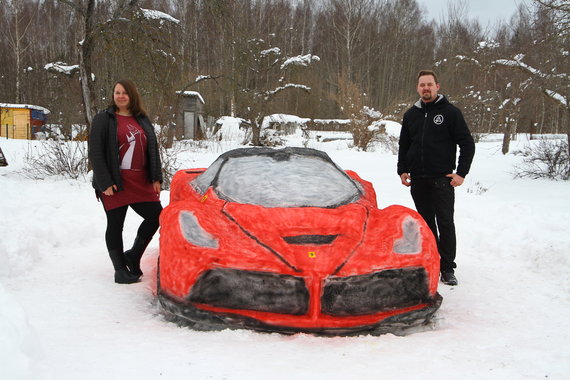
(298, 181)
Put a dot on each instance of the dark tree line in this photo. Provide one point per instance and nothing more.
(510, 78)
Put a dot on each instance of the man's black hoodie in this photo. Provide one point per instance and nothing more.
(429, 138)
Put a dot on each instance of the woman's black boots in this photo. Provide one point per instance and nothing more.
(122, 274)
(133, 256)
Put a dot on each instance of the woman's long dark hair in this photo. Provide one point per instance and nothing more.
(135, 102)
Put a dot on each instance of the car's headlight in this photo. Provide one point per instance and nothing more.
(193, 231)
(411, 241)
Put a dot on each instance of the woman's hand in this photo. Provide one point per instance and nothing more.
(156, 187)
(110, 190)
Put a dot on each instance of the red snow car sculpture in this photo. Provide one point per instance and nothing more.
(283, 240)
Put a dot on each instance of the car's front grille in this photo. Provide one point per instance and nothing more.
(376, 292)
(310, 239)
(251, 290)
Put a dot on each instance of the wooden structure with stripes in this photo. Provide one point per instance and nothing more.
(21, 121)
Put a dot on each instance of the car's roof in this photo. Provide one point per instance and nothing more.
(275, 153)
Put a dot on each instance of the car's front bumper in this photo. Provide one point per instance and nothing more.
(378, 302)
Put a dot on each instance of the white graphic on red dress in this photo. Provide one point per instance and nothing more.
(127, 161)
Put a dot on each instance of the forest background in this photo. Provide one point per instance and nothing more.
(355, 55)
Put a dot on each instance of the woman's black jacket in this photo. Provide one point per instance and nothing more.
(104, 151)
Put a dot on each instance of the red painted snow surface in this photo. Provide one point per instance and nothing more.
(250, 238)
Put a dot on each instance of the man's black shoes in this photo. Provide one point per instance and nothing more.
(448, 278)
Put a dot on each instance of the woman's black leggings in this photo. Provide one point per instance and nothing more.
(149, 211)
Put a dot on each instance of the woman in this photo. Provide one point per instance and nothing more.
(123, 150)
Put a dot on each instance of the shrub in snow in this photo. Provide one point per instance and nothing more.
(48, 158)
(546, 159)
(271, 137)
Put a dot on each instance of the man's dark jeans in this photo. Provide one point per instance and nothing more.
(435, 200)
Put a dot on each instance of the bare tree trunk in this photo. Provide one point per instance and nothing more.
(85, 52)
(510, 131)
(506, 137)
(17, 43)
(568, 128)
(256, 134)
(542, 114)
(18, 58)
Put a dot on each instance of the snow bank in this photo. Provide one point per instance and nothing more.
(62, 316)
(229, 129)
(19, 345)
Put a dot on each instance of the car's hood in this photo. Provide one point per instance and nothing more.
(308, 239)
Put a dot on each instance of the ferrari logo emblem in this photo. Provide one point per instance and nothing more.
(312, 254)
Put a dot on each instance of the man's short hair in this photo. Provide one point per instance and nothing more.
(426, 72)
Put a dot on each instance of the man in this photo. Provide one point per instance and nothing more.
(431, 131)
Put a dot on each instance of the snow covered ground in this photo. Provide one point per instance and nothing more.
(63, 317)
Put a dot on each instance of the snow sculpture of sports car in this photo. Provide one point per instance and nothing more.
(284, 240)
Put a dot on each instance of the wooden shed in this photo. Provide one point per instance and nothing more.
(21, 121)
(190, 120)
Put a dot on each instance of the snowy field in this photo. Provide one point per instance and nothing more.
(63, 317)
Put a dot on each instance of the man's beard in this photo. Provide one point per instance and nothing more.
(427, 96)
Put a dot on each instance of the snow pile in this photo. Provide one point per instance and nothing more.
(158, 15)
(228, 129)
(300, 60)
(26, 106)
(19, 346)
(332, 121)
(192, 93)
(274, 50)
(488, 44)
(62, 68)
(392, 128)
(284, 119)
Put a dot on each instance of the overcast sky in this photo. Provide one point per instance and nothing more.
(489, 12)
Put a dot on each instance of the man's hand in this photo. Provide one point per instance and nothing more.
(406, 179)
(456, 180)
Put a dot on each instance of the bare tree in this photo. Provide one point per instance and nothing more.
(85, 10)
(544, 61)
(265, 78)
(560, 10)
(348, 21)
(351, 101)
(378, 45)
(405, 44)
(23, 16)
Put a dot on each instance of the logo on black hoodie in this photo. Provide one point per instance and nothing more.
(438, 119)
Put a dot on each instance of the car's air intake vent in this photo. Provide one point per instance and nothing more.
(377, 292)
(310, 239)
(251, 290)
